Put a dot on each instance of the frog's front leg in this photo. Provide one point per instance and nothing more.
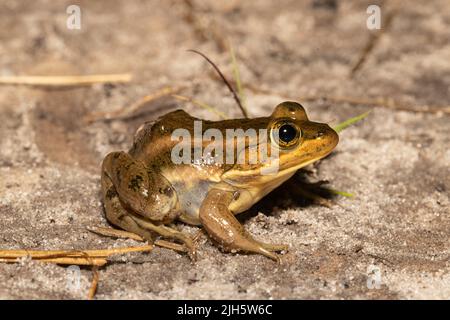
(224, 228)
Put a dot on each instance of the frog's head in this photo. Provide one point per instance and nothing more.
(298, 140)
(292, 140)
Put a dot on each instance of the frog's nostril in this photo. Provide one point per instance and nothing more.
(319, 134)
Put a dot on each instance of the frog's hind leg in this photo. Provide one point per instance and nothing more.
(140, 189)
(225, 229)
(128, 220)
(117, 214)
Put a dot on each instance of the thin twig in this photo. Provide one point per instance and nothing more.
(94, 283)
(374, 39)
(377, 102)
(204, 31)
(126, 112)
(55, 81)
(235, 96)
(201, 105)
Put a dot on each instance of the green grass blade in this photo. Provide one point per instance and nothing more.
(341, 193)
(347, 123)
(237, 78)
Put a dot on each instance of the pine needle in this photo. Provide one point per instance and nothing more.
(79, 261)
(55, 81)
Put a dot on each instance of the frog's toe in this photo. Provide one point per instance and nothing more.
(192, 253)
(191, 248)
(275, 247)
(268, 254)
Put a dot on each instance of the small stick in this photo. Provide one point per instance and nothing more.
(123, 113)
(377, 102)
(235, 96)
(201, 105)
(65, 80)
(81, 261)
(373, 40)
(94, 283)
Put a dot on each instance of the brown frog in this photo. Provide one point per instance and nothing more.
(145, 190)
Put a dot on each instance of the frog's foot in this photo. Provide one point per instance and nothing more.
(223, 227)
(118, 215)
(168, 232)
(128, 220)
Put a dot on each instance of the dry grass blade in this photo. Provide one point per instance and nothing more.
(56, 81)
(237, 79)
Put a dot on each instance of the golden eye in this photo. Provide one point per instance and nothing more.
(286, 134)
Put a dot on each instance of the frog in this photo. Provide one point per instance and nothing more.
(145, 192)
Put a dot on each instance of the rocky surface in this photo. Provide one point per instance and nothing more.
(396, 162)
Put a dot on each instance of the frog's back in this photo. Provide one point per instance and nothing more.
(153, 139)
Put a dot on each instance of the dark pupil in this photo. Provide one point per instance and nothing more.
(287, 133)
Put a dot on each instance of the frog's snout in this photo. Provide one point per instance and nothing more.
(327, 135)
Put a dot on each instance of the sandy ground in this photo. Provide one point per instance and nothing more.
(395, 162)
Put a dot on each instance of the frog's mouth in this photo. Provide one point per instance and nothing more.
(270, 176)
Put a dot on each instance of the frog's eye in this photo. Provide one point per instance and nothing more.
(286, 134)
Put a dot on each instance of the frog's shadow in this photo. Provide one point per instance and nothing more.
(284, 198)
